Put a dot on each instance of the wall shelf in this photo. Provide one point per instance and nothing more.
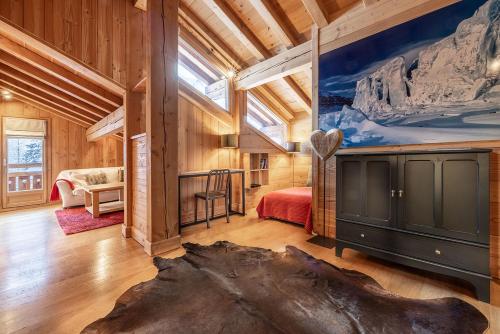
(256, 167)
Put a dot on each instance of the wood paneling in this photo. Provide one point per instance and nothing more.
(280, 177)
(300, 131)
(92, 31)
(139, 196)
(199, 137)
(67, 143)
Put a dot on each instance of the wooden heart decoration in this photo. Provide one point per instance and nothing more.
(325, 144)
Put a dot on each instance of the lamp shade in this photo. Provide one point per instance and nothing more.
(229, 141)
(293, 147)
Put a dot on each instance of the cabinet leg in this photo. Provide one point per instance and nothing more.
(338, 250)
(482, 287)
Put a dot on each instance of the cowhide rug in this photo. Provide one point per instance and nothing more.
(226, 288)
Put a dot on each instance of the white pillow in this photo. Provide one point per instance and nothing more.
(79, 179)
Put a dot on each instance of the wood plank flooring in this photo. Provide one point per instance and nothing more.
(52, 283)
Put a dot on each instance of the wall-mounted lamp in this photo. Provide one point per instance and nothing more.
(6, 95)
(229, 140)
(293, 147)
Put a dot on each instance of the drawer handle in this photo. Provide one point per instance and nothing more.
(362, 235)
(400, 192)
(393, 193)
(437, 251)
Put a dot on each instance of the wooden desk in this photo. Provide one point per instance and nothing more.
(204, 173)
(92, 198)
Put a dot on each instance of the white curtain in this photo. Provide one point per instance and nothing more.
(26, 127)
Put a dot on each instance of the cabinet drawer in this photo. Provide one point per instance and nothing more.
(449, 253)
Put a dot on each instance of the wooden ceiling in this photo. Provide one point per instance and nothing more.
(39, 75)
(231, 34)
(245, 32)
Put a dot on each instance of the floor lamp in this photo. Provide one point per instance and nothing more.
(325, 145)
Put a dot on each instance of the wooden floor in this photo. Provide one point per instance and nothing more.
(52, 283)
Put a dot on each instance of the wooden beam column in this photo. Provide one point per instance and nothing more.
(133, 120)
(162, 122)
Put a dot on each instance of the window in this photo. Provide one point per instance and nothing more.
(196, 72)
(24, 163)
(266, 121)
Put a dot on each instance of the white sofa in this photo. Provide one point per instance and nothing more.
(76, 197)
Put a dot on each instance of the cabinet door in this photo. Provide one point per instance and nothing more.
(380, 174)
(416, 192)
(365, 187)
(445, 194)
(465, 196)
(349, 187)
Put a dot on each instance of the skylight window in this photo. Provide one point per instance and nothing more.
(203, 78)
(261, 117)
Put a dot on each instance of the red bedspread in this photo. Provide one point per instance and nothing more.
(292, 204)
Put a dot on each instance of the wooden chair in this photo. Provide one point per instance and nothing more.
(218, 185)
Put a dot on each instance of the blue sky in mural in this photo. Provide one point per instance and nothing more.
(357, 82)
(342, 68)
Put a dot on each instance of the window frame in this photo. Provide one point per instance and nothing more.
(271, 115)
(201, 68)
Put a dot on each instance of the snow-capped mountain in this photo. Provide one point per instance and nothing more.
(460, 69)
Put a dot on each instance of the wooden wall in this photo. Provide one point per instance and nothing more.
(199, 149)
(300, 131)
(92, 31)
(139, 188)
(67, 143)
(280, 177)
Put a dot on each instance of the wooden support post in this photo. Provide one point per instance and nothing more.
(162, 121)
(317, 218)
(133, 106)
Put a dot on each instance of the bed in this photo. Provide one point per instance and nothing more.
(291, 205)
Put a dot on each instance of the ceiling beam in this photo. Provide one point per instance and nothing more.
(369, 2)
(275, 22)
(46, 78)
(267, 96)
(233, 22)
(109, 125)
(316, 12)
(44, 98)
(58, 71)
(354, 24)
(222, 10)
(292, 61)
(34, 101)
(26, 79)
(141, 4)
(359, 22)
(191, 43)
(193, 23)
(302, 99)
(34, 44)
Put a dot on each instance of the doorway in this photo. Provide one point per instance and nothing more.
(24, 162)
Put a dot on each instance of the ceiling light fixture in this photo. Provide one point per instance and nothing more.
(230, 74)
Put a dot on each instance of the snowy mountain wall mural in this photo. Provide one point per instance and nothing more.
(433, 79)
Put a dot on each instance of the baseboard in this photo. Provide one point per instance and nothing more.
(126, 231)
(162, 246)
(137, 235)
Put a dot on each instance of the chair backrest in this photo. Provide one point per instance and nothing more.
(219, 180)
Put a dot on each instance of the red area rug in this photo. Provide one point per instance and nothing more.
(76, 220)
